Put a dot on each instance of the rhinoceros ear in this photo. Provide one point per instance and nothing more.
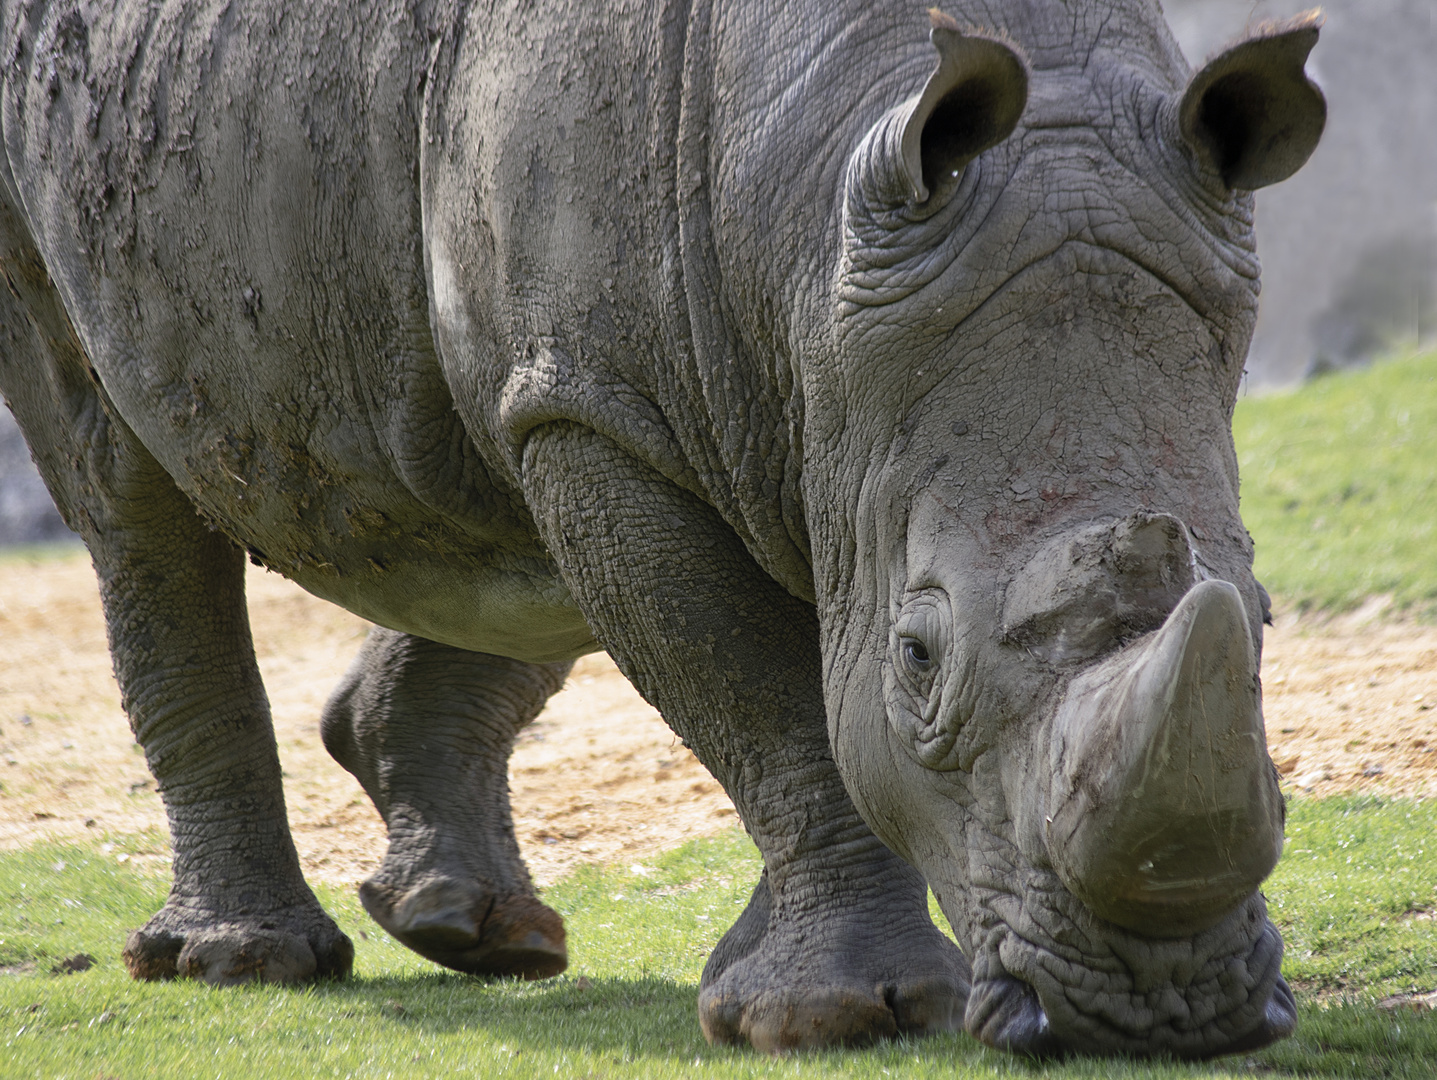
(972, 101)
(1251, 113)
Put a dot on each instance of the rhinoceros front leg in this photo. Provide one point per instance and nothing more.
(173, 592)
(836, 945)
(427, 729)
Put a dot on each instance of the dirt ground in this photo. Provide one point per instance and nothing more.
(598, 777)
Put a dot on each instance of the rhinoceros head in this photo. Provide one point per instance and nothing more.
(1040, 626)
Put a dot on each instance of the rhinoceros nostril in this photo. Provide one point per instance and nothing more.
(1279, 1020)
(1004, 1013)
(1280, 1016)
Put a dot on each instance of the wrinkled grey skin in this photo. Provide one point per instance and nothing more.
(550, 328)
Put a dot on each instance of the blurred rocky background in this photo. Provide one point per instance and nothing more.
(27, 516)
(1348, 245)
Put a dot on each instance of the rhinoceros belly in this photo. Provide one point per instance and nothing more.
(371, 499)
(319, 433)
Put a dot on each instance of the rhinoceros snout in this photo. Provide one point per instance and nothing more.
(1279, 1020)
(1006, 1014)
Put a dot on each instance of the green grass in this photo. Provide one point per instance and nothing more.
(1339, 486)
(1352, 896)
(1356, 896)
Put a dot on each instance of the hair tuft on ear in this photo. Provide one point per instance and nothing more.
(941, 20)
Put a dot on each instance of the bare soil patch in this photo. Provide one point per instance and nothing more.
(1351, 704)
(597, 777)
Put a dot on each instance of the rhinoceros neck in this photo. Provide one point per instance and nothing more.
(576, 261)
(632, 221)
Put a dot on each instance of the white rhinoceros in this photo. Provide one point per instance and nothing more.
(862, 386)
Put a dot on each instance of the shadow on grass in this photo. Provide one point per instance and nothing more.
(651, 1019)
(656, 1019)
(653, 1022)
(443, 1001)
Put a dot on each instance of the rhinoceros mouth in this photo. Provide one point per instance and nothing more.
(1051, 978)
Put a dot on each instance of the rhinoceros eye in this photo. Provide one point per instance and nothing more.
(919, 636)
(923, 679)
(915, 655)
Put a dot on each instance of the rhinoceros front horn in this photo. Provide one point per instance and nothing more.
(1164, 809)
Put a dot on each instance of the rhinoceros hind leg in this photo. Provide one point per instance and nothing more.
(428, 729)
(173, 593)
(836, 946)
(239, 909)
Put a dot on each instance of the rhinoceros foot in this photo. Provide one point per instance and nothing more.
(785, 981)
(468, 927)
(289, 946)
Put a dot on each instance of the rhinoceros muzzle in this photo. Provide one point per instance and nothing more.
(1005, 1013)
(1163, 817)
(1164, 812)
(1122, 913)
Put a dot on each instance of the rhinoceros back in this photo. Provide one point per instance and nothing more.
(226, 200)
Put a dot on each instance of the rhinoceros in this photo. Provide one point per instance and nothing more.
(861, 382)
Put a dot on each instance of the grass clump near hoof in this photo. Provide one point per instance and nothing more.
(1339, 487)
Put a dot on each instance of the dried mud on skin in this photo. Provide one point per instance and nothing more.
(1351, 704)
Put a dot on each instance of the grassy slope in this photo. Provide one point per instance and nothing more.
(1339, 486)
(1353, 898)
